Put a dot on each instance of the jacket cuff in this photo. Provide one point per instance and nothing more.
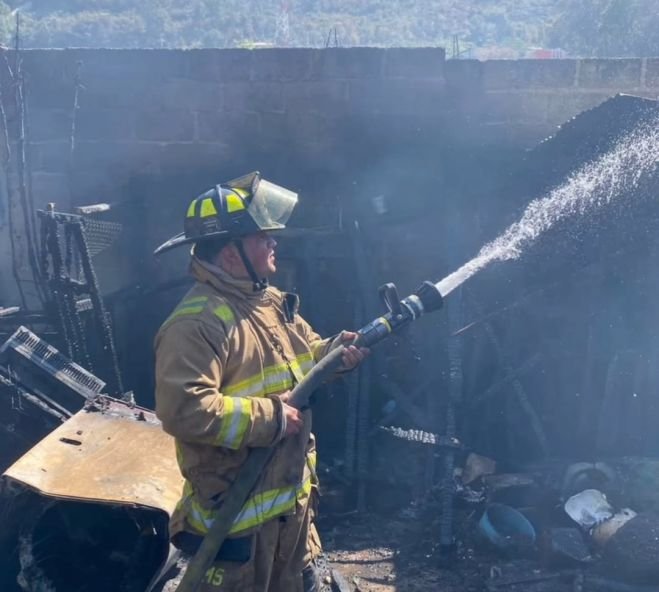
(267, 416)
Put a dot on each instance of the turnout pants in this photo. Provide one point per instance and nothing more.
(272, 559)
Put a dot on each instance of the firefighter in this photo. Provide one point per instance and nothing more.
(226, 359)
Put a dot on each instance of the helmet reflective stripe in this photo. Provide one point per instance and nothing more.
(208, 208)
(191, 209)
(234, 202)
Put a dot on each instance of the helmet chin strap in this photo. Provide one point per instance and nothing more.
(260, 284)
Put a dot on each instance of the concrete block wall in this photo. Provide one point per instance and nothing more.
(160, 126)
(521, 101)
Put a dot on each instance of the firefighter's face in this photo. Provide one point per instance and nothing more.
(260, 250)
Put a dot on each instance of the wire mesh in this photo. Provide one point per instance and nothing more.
(100, 234)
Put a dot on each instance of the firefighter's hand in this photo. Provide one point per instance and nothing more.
(292, 416)
(352, 356)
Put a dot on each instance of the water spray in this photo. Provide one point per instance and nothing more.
(595, 184)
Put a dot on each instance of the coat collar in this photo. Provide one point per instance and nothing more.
(207, 273)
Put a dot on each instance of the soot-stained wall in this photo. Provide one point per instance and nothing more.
(160, 126)
(402, 141)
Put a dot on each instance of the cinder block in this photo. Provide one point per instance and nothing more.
(105, 124)
(188, 156)
(516, 107)
(322, 96)
(49, 77)
(652, 75)
(50, 157)
(417, 62)
(397, 96)
(119, 158)
(183, 93)
(50, 187)
(348, 63)
(616, 74)
(50, 124)
(146, 65)
(254, 96)
(235, 128)
(297, 127)
(165, 125)
(219, 65)
(521, 74)
(564, 106)
(281, 64)
(464, 75)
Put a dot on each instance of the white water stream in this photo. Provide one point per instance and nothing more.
(599, 182)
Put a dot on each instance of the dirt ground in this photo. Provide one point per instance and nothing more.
(397, 553)
(378, 553)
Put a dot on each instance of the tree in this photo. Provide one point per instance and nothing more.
(608, 28)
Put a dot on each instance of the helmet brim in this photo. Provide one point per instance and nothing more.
(181, 239)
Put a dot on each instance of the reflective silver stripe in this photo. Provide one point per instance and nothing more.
(281, 378)
(269, 507)
(237, 419)
(257, 510)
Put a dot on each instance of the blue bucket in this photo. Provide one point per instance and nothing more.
(505, 527)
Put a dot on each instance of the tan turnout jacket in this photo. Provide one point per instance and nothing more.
(221, 357)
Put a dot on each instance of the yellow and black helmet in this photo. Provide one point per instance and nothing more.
(237, 208)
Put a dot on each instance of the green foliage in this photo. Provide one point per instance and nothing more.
(608, 28)
(491, 28)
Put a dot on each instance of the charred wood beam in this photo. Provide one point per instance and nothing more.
(520, 393)
(446, 539)
(495, 585)
(405, 401)
(366, 284)
(507, 379)
(599, 584)
(518, 388)
(339, 583)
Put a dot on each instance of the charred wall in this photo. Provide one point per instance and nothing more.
(156, 127)
(395, 152)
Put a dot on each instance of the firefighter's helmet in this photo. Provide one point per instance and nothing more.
(237, 208)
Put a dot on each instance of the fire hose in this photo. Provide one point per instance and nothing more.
(400, 313)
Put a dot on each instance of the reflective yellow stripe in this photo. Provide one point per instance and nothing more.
(191, 209)
(208, 208)
(188, 307)
(196, 300)
(179, 453)
(234, 203)
(184, 310)
(385, 322)
(224, 313)
(235, 420)
(274, 379)
(257, 510)
(311, 460)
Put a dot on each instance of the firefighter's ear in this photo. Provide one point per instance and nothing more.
(229, 258)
